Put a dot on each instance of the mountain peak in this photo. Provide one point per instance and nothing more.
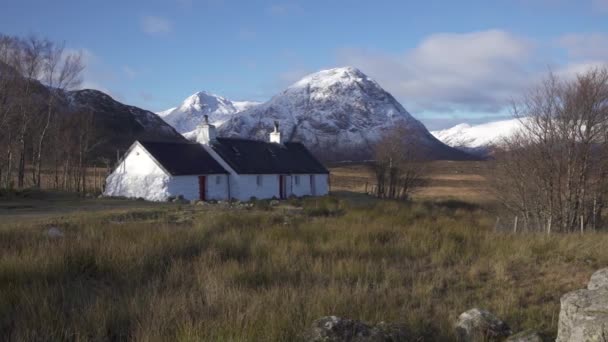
(328, 77)
(186, 116)
(338, 113)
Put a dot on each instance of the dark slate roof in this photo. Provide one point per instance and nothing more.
(181, 159)
(259, 157)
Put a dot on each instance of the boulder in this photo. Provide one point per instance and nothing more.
(480, 325)
(583, 316)
(598, 279)
(338, 329)
(180, 200)
(54, 233)
(525, 336)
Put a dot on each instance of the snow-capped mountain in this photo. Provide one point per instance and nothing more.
(190, 113)
(337, 113)
(478, 139)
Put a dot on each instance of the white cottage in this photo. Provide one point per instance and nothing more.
(213, 168)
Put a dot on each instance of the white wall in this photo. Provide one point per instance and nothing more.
(188, 187)
(138, 176)
(243, 187)
(304, 188)
(321, 184)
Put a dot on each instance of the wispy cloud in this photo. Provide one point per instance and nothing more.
(155, 25)
(284, 9)
(585, 46)
(600, 5)
(129, 72)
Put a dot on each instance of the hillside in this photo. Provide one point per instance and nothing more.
(118, 125)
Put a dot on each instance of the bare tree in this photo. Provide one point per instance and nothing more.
(552, 173)
(398, 164)
(62, 71)
(28, 61)
(34, 76)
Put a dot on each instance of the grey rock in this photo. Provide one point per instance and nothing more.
(480, 325)
(54, 233)
(338, 329)
(274, 203)
(584, 316)
(180, 199)
(598, 279)
(525, 336)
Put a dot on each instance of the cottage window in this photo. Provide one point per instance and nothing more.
(297, 180)
(258, 180)
(218, 179)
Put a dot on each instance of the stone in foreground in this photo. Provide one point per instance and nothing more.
(338, 329)
(525, 336)
(584, 316)
(480, 325)
(598, 279)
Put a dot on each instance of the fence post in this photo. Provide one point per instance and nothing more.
(496, 224)
(582, 225)
(515, 225)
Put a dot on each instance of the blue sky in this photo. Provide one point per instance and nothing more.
(446, 61)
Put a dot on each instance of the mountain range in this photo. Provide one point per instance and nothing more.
(338, 113)
(185, 117)
(478, 139)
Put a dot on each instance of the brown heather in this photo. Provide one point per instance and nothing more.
(190, 273)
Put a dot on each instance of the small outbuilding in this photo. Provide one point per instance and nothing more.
(213, 168)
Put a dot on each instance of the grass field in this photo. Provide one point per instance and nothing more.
(130, 270)
(464, 181)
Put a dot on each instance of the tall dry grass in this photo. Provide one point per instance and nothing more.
(193, 274)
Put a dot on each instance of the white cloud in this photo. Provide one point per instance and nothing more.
(571, 70)
(586, 45)
(155, 25)
(478, 71)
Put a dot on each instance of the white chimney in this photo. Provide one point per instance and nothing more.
(275, 137)
(205, 133)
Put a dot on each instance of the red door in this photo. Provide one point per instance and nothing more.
(282, 187)
(202, 187)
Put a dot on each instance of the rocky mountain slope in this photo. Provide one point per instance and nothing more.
(338, 113)
(190, 113)
(478, 139)
(118, 125)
